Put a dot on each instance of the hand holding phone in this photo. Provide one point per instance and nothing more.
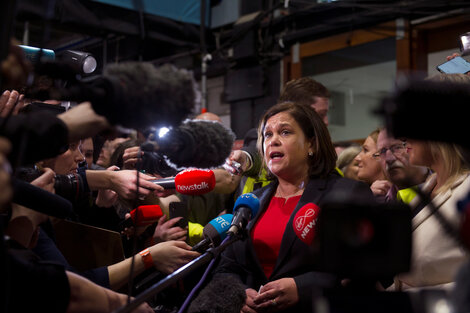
(457, 65)
(179, 209)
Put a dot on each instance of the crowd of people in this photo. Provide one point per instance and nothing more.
(289, 163)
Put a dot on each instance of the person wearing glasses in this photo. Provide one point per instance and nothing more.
(369, 169)
(402, 177)
(436, 256)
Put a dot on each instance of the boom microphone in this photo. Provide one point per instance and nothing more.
(223, 294)
(305, 222)
(133, 94)
(214, 233)
(40, 200)
(246, 206)
(191, 182)
(197, 143)
(416, 107)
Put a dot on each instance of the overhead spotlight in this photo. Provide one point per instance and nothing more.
(81, 62)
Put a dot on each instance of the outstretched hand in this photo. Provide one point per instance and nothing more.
(124, 184)
(170, 255)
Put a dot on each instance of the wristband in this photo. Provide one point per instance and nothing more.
(249, 160)
(146, 258)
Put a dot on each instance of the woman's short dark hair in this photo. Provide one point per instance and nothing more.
(324, 156)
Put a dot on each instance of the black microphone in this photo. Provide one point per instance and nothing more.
(223, 294)
(214, 233)
(246, 206)
(197, 143)
(39, 200)
(415, 108)
(133, 94)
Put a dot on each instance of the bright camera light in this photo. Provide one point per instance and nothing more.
(162, 131)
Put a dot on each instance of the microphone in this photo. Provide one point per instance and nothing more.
(191, 182)
(145, 215)
(214, 233)
(223, 294)
(305, 222)
(424, 98)
(40, 200)
(246, 206)
(132, 94)
(197, 143)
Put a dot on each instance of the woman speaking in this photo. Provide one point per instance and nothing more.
(275, 262)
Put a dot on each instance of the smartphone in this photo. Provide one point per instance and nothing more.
(457, 65)
(178, 209)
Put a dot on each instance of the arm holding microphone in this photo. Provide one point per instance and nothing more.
(122, 182)
(82, 122)
(166, 257)
(225, 182)
(87, 297)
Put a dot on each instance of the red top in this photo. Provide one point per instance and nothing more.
(269, 229)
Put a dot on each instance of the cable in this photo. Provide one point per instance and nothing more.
(445, 224)
(134, 240)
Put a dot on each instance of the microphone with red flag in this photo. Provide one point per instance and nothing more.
(191, 182)
(305, 222)
(144, 215)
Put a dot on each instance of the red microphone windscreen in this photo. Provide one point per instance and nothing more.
(305, 221)
(195, 182)
(146, 214)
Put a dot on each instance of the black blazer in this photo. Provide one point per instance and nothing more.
(296, 259)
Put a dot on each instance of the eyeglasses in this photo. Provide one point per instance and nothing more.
(397, 149)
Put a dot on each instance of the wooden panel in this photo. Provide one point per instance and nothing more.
(444, 22)
(419, 51)
(403, 50)
(295, 70)
(286, 74)
(291, 70)
(348, 39)
(446, 37)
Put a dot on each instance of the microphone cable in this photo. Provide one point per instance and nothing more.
(130, 283)
(445, 224)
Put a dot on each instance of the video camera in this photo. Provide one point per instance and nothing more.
(70, 186)
(361, 241)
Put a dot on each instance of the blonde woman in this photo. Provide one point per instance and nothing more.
(369, 168)
(436, 257)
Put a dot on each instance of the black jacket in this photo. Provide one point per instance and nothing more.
(296, 259)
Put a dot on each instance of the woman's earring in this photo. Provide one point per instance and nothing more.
(310, 153)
